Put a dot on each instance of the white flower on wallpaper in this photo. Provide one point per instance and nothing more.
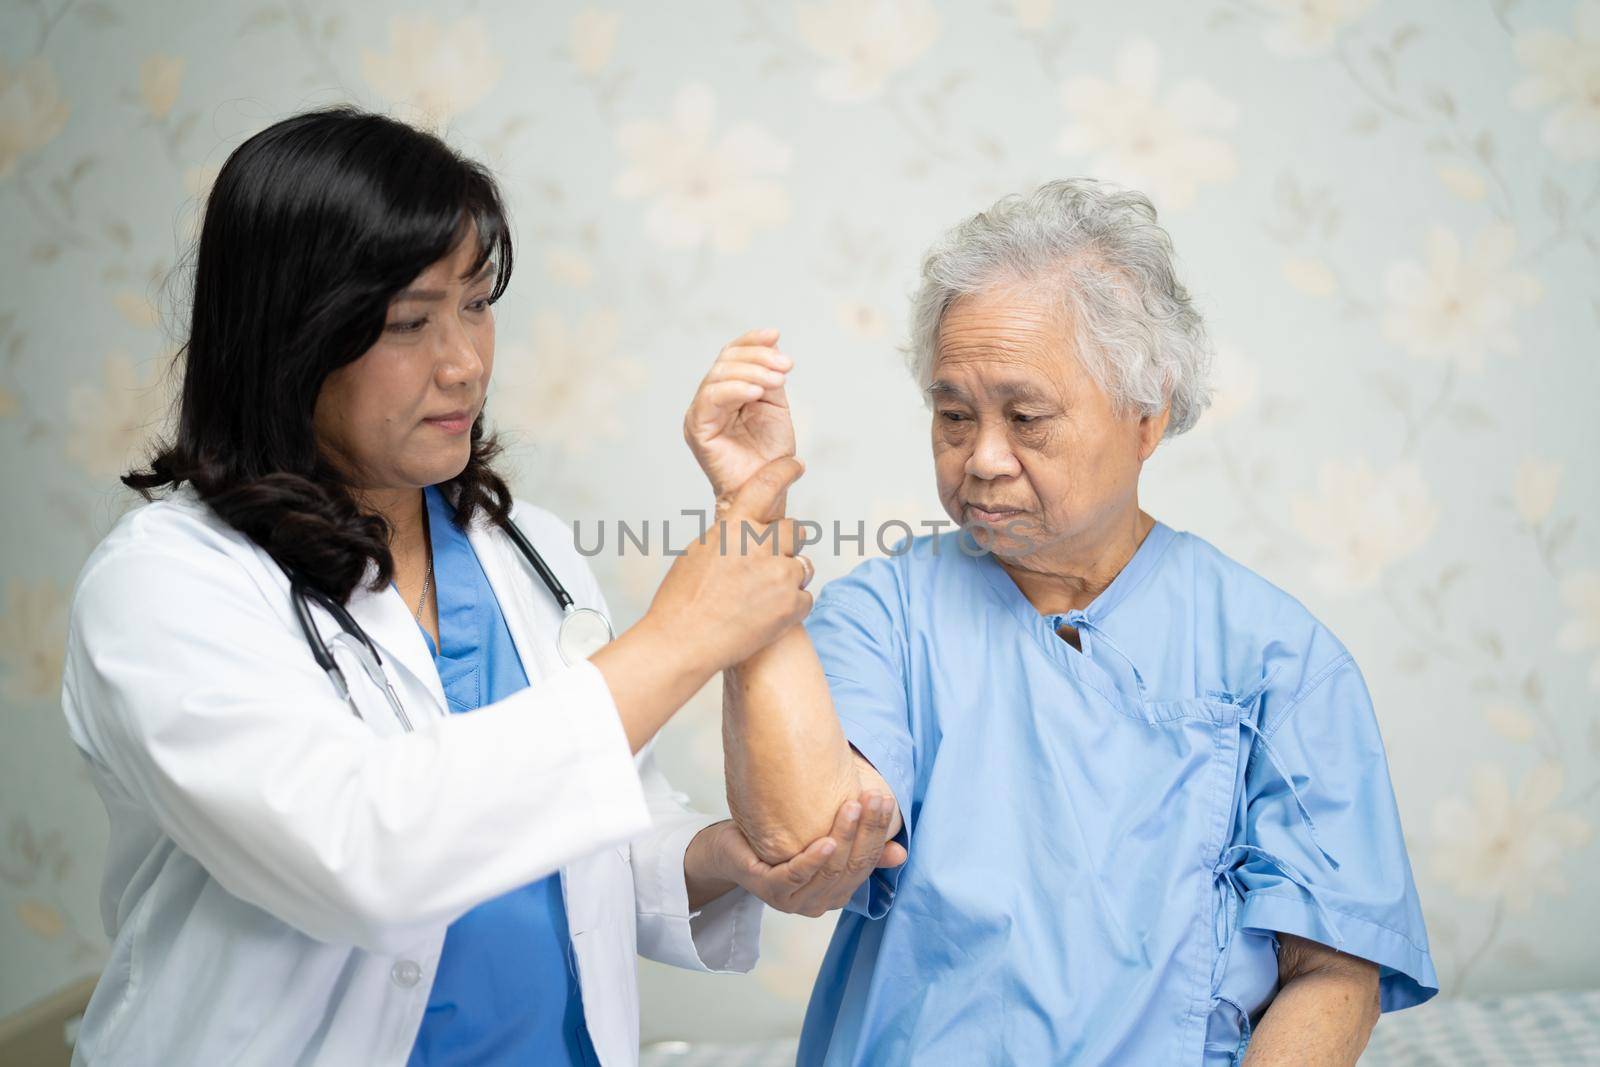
(860, 319)
(865, 42)
(1308, 27)
(1564, 74)
(1498, 844)
(593, 38)
(136, 308)
(1310, 275)
(568, 389)
(439, 68)
(160, 78)
(1361, 520)
(1166, 144)
(112, 422)
(568, 266)
(1534, 490)
(33, 637)
(1510, 721)
(1461, 303)
(1465, 182)
(703, 186)
(1033, 14)
(1580, 593)
(197, 183)
(32, 112)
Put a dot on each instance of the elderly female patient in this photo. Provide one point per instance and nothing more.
(1147, 809)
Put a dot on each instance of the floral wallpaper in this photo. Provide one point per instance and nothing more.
(1390, 212)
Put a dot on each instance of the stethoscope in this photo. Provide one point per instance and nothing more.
(583, 631)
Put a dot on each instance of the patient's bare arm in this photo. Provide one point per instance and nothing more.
(1324, 1012)
(789, 767)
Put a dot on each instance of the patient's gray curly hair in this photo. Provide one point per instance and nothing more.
(1098, 248)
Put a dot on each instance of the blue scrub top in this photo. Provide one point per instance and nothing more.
(1103, 842)
(507, 987)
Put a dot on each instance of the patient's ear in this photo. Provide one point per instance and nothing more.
(1151, 429)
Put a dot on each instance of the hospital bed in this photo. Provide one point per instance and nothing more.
(1553, 1029)
(1529, 1030)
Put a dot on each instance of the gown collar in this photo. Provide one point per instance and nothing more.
(1139, 567)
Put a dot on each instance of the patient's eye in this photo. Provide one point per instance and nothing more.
(953, 416)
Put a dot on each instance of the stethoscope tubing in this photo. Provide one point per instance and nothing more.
(302, 593)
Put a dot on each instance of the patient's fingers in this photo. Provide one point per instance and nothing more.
(716, 403)
(762, 355)
(757, 373)
(767, 335)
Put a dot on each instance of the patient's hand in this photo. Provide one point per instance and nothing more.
(739, 420)
(825, 875)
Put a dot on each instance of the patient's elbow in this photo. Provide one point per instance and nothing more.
(776, 846)
(774, 840)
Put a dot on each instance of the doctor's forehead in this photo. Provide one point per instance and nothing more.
(430, 284)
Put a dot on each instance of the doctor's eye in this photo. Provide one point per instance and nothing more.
(407, 326)
(481, 304)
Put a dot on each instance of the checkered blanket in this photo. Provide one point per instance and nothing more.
(1531, 1030)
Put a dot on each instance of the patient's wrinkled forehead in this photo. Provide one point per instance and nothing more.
(1009, 343)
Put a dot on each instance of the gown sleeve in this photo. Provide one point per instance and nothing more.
(1323, 855)
(858, 632)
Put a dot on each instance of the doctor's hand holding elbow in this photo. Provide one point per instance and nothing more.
(380, 790)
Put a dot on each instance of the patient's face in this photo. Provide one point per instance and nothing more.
(1028, 451)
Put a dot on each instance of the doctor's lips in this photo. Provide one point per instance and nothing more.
(452, 422)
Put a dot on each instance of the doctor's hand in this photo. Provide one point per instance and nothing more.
(826, 874)
(740, 585)
(739, 419)
(733, 591)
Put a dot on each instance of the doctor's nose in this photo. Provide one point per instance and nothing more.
(460, 362)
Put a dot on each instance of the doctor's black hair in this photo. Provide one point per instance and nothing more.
(312, 225)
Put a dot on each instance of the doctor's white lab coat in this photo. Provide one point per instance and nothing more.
(281, 873)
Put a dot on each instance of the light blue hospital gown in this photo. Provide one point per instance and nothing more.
(1102, 842)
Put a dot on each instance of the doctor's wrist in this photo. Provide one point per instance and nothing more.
(681, 648)
(709, 865)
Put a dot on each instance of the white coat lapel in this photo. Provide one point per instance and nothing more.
(387, 621)
(533, 630)
(393, 628)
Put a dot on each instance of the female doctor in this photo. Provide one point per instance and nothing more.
(379, 787)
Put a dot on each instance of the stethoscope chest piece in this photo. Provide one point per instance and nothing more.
(583, 632)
